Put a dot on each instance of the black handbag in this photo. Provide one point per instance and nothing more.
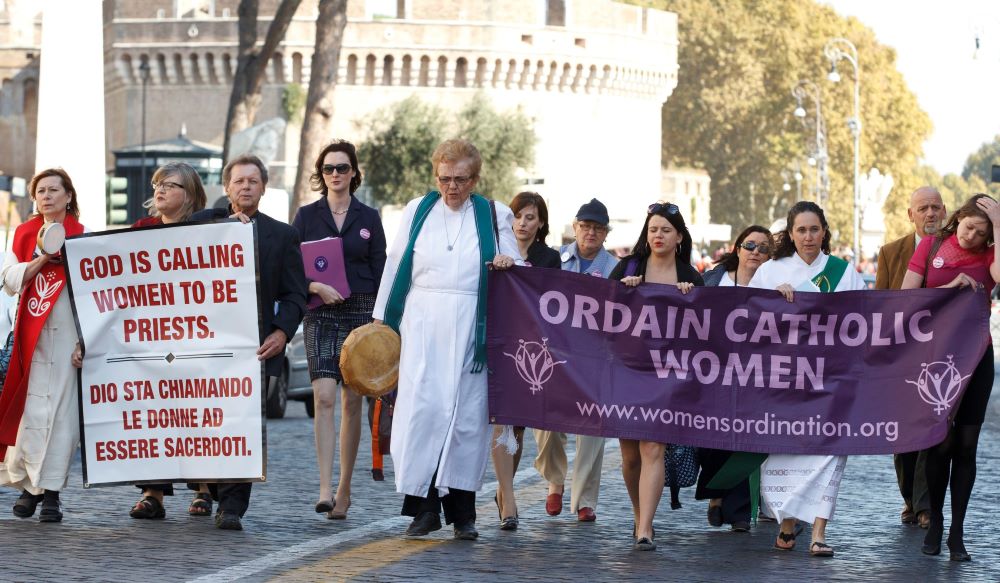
(680, 470)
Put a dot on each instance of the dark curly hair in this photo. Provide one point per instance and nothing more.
(786, 246)
(731, 260)
(316, 179)
(641, 248)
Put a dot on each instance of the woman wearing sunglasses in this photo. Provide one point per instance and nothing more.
(804, 487)
(732, 506)
(339, 214)
(661, 255)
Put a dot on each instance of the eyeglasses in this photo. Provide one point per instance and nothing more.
(459, 181)
(669, 207)
(596, 228)
(751, 246)
(329, 169)
(165, 185)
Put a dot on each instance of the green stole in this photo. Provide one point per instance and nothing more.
(743, 464)
(404, 275)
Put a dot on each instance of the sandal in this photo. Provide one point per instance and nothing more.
(335, 514)
(148, 507)
(785, 541)
(201, 505)
(820, 549)
(25, 505)
(324, 506)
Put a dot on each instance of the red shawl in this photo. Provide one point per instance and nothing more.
(37, 298)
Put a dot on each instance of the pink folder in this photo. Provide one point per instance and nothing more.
(324, 262)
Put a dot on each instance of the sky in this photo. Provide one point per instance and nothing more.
(935, 45)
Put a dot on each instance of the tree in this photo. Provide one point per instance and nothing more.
(396, 153)
(252, 63)
(330, 24)
(980, 163)
(731, 112)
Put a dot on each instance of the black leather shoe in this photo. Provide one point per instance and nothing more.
(228, 521)
(715, 515)
(51, 508)
(466, 531)
(957, 552)
(741, 526)
(425, 523)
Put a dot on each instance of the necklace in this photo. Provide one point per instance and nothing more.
(447, 235)
(338, 213)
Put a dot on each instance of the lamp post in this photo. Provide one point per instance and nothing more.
(835, 50)
(144, 75)
(818, 154)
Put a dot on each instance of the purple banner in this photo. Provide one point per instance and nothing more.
(731, 368)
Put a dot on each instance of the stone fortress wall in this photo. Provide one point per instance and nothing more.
(591, 74)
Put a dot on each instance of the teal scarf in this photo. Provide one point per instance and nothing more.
(404, 275)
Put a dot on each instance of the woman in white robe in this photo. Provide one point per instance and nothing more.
(808, 490)
(38, 461)
(440, 429)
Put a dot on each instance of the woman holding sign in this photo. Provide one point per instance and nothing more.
(661, 255)
(735, 269)
(334, 313)
(962, 254)
(531, 227)
(177, 194)
(39, 410)
(804, 487)
(433, 293)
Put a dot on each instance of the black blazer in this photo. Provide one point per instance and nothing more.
(364, 257)
(541, 255)
(282, 300)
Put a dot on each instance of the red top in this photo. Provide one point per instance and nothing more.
(951, 260)
(147, 222)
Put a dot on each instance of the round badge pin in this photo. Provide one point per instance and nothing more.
(366, 234)
(938, 262)
(565, 256)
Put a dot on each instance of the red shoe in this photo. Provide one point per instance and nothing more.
(553, 504)
(586, 515)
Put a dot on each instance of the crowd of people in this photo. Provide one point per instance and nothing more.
(431, 287)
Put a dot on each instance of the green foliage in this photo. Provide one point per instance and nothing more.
(980, 162)
(504, 139)
(293, 102)
(731, 112)
(396, 155)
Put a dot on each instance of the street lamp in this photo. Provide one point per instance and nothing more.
(144, 75)
(835, 50)
(818, 155)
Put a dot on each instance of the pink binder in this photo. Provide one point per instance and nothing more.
(324, 262)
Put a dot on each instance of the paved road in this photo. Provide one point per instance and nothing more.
(285, 540)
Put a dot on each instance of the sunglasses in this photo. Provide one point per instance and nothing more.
(762, 247)
(669, 207)
(329, 169)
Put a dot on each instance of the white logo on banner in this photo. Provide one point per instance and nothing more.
(938, 383)
(534, 363)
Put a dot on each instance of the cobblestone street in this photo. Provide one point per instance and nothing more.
(284, 540)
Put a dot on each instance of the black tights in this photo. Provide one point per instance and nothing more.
(954, 459)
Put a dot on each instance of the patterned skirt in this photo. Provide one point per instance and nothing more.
(325, 330)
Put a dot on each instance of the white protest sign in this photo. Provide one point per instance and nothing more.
(170, 388)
